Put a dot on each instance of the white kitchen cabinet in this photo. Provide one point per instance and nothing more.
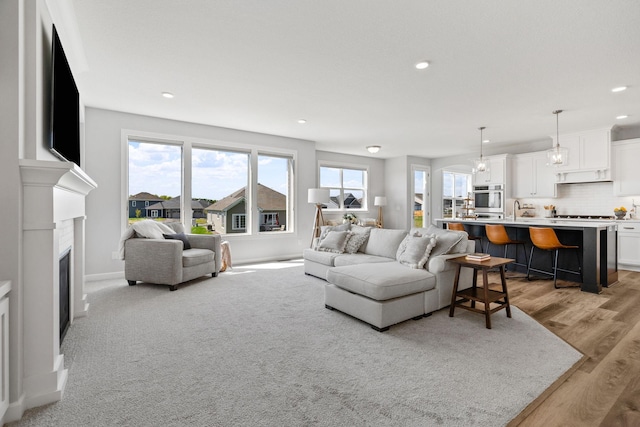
(532, 177)
(626, 173)
(589, 156)
(496, 173)
(629, 246)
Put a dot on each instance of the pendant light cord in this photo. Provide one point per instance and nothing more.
(557, 113)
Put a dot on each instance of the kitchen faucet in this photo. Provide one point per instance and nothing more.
(515, 202)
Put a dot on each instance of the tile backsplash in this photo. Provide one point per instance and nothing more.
(593, 198)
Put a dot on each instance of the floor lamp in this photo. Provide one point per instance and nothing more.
(318, 196)
(380, 201)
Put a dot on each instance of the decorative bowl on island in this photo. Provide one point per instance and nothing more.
(620, 212)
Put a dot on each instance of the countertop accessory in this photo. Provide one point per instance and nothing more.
(620, 212)
(557, 156)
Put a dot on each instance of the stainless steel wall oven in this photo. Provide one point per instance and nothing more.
(489, 198)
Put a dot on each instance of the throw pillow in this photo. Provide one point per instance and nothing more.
(359, 236)
(325, 229)
(414, 251)
(354, 242)
(447, 241)
(334, 241)
(179, 236)
(151, 229)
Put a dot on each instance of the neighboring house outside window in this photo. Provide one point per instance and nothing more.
(136, 210)
(272, 206)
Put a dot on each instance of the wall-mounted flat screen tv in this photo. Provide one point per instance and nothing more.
(64, 138)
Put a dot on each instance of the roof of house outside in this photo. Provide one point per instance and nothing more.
(350, 202)
(145, 196)
(174, 203)
(268, 200)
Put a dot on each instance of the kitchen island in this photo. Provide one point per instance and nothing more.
(597, 240)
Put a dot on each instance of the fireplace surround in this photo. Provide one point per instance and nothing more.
(53, 220)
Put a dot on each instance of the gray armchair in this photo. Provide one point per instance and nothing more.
(165, 262)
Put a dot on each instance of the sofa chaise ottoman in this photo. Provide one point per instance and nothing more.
(379, 284)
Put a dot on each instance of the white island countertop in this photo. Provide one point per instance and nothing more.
(543, 222)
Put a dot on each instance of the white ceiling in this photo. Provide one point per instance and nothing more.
(347, 67)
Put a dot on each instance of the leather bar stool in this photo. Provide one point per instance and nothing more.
(460, 227)
(547, 240)
(497, 235)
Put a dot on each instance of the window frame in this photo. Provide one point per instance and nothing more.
(187, 144)
(455, 200)
(240, 219)
(364, 207)
(426, 196)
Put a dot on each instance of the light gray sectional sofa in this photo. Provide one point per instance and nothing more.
(387, 276)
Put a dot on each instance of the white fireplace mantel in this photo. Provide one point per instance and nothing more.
(52, 173)
(53, 214)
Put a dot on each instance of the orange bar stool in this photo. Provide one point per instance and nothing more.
(460, 227)
(547, 240)
(497, 235)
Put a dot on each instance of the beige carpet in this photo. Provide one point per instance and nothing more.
(256, 347)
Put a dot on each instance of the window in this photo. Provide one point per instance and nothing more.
(421, 209)
(133, 203)
(275, 177)
(146, 203)
(455, 188)
(239, 222)
(347, 187)
(147, 161)
(211, 188)
(219, 182)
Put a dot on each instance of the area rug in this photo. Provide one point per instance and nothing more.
(256, 347)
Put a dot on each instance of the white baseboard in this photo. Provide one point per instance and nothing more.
(120, 274)
(104, 276)
(268, 259)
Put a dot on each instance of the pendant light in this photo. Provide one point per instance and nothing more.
(557, 156)
(480, 164)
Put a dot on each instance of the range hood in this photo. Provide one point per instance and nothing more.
(582, 176)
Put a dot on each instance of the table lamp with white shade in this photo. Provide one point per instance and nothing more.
(318, 196)
(380, 201)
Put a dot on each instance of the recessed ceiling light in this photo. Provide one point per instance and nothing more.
(422, 65)
(167, 94)
(486, 141)
(624, 116)
(373, 149)
(302, 121)
(619, 89)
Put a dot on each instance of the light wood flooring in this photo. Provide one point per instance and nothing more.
(605, 389)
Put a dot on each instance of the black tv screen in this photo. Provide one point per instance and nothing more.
(64, 139)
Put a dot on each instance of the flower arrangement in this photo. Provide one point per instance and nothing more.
(350, 218)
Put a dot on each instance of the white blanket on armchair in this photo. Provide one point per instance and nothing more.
(147, 228)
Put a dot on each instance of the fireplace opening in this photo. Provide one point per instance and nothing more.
(65, 285)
